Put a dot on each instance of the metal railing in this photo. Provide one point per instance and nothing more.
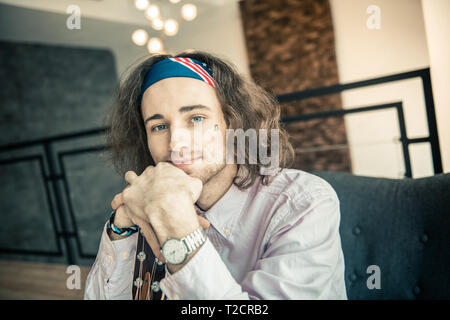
(423, 74)
(56, 183)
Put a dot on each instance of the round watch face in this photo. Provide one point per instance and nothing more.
(174, 251)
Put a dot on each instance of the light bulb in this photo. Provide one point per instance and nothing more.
(152, 12)
(189, 11)
(157, 24)
(141, 4)
(154, 45)
(139, 37)
(171, 27)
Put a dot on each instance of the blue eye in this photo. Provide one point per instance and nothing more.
(198, 117)
(155, 128)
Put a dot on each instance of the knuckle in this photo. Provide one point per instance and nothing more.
(126, 194)
(147, 171)
(128, 173)
(162, 164)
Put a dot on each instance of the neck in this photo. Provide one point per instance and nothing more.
(216, 187)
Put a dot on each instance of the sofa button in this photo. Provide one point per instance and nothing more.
(353, 277)
(356, 230)
(417, 290)
(424, 238)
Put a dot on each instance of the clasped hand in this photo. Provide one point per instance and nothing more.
(161, 202)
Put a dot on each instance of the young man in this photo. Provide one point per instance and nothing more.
(254, 233)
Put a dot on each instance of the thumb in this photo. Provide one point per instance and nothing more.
(204, 223)
(196, 188)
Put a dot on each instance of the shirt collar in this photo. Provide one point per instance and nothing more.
(224, 213)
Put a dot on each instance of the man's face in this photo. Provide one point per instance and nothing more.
(171, 109)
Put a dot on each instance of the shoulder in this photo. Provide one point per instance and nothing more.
(297, 186)
(304, 194)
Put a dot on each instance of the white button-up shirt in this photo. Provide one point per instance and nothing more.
(279, 241)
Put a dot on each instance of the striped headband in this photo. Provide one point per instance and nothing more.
(177, 67)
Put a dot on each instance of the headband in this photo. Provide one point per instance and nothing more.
(178, 67)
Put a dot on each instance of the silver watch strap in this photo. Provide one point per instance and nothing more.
(194, 240)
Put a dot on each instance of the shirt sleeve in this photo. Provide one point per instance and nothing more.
(303, 260)
(111, 275)
(204, 277)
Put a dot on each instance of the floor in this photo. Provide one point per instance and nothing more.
(30, 281)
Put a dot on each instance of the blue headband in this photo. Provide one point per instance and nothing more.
(177, 67)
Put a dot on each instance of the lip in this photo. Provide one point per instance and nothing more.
(186, 163)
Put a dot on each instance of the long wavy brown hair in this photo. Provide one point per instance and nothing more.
(244, 104)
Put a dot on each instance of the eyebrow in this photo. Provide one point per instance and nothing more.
(183, 109)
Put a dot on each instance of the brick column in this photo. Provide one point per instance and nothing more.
(290, 46)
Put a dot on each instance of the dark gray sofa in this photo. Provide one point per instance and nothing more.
(400, 225)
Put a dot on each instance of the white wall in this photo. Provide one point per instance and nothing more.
(400, 45)
(219, 32)
(110, 23)
(437, 26)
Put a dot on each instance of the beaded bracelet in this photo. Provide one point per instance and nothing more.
(120, 231)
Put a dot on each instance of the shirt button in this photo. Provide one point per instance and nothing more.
(109, 258)
(226, 231)
(125, 255)
(138, 282)
(155, 286)
(141, 256)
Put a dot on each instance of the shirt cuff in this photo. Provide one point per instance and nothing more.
(113, 255)
(205, 276)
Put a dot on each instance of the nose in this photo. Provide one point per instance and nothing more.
(180, 143)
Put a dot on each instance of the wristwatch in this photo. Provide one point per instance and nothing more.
(175, 251)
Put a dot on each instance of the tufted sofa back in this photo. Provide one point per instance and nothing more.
(400, 225)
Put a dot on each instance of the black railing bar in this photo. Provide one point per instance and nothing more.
(337, 88)
(50, 204)
(403, 137)
(69, 203)
(88, 256)
(417, 140)
(31, 252)
(432, 124)
(322, 148)
(67, 234)
(59, 202)
(20, 159)
(355, 145)
(84, 150)
(50, 139)
(54, 177)
(337, 113)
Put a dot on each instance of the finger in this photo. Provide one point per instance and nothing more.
(130, 176)
(150, 236)
(205, 224)
(148, 169)
(117, 201)
(122, 218)
(196, 189)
